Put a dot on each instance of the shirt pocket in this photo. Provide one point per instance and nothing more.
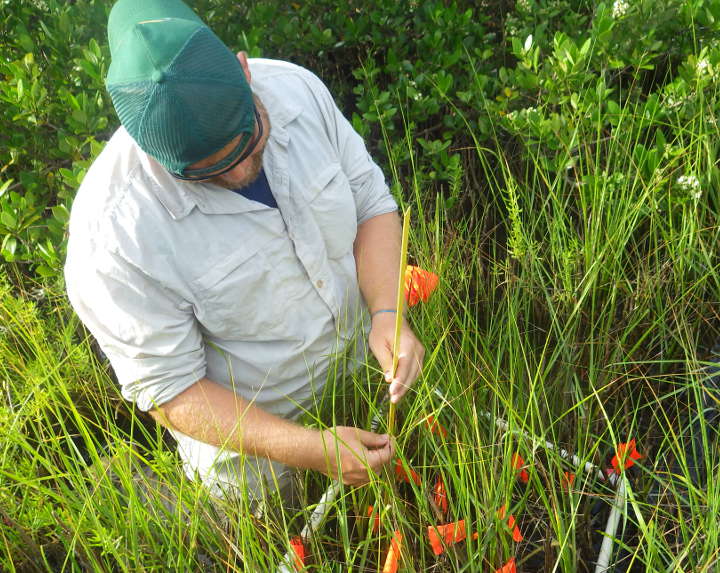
(238, 298)
(332, 204)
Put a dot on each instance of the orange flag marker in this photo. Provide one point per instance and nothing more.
(516, 534)
(519, 464)
(392, 560)
(402, 475)
(376, 521)
(509, 567)
(298, 548)
(449, 533)
(567, 480)
(419, 284)
(440, 495)
(435, 427)
(625, 456)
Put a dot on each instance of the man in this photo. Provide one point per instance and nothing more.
(225, 243)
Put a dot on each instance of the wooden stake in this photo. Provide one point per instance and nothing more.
(399, 309)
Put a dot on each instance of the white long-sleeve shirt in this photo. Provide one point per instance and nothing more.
(183, 280)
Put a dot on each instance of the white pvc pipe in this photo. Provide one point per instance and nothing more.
(313, 523)
(606, 550)
(321, 511)
(284, 567)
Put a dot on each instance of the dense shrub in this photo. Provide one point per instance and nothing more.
(446, 75)
(53, 117)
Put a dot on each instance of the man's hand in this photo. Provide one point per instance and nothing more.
(410, 356)
(377, 255)
(358, 453)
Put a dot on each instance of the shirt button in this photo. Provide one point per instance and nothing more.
(319, 283)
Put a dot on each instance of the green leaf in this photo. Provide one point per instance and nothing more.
(613, 109)
(35, 90)
(9, 246)
(516, 49)
(47, 31)
(660, 141)
(45, 271)
(26, 42)
(8, 220)
(61, 213)
(528, 43)
(585, 47)
(4, 187)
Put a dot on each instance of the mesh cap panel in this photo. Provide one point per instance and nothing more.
(178, 90)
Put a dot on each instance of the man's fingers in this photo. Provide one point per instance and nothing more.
(408, 370)
(377, 458)
(377, 450)
(372, 440)
(398, 384)
(385, 359)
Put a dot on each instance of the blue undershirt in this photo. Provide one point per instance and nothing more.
(258, 190)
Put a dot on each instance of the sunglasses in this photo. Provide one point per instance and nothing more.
(229, 162)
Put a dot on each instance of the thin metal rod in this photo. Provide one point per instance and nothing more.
(563, 453)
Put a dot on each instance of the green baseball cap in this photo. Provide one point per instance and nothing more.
(178, 90)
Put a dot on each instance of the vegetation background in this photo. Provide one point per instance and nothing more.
(561, 160)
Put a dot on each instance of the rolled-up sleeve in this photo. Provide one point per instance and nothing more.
(147, 331)
(371, 193)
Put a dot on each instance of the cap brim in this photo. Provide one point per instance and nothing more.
(239, 153)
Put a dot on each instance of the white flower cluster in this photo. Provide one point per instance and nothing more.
(620, 8)
(523, 5)
(521, 113)
(691, 184)
(672, 102)
(417, 96)
(702, 67)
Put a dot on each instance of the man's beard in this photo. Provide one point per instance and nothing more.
(253, 164)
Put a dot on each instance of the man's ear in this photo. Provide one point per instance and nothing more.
(242, 58)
